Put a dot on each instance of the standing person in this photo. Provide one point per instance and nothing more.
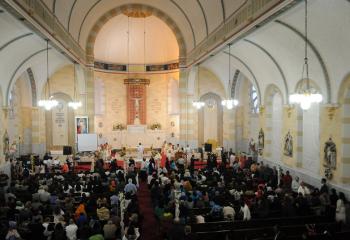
(140, 151)
(287, 181)
(324, 187)
(71, 230)
(340, 212)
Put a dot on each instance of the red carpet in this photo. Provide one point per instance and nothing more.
(150, 226)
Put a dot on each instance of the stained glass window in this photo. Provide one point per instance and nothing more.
(254, 100)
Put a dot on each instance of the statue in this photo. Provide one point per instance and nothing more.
(261, 139)
(288, 145)
(252, 148)
(6, 142)
(330, 154)
(137, 111)
(13, 150)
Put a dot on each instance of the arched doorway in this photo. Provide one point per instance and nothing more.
(210, 119)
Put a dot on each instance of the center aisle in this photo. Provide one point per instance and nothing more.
(150, 224)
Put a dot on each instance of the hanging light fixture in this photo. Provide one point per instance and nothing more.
(306, 96)
(75, 104)
(50, 102)
(197, 103)
(229, 103)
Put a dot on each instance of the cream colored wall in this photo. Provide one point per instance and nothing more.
(331, 121)
(62, 86)
(208, 82)
(115, 102)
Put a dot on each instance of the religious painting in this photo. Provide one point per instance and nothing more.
(81, 125)
(330, 154)
(261, 139)
(288, 145)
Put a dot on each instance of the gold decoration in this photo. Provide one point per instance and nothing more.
(137, 13)
(262, 109)
(289, 110)
(331, 111)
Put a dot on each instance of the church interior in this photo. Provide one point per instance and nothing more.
(174, 119)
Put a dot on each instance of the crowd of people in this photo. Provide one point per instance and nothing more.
(69, 205)
(103, 204)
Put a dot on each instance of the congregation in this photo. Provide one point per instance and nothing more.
(104, 203)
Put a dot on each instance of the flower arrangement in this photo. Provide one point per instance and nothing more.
(118, 126)
(155, 126)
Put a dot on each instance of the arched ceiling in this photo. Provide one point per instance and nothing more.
(272, 54)
(21, 49)
(150, 41)
(195, 18)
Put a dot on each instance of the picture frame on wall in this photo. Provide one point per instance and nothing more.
(81, 125)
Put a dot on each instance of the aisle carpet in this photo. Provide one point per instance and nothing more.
(149, 226)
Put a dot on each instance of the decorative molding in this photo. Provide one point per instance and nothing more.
(234, 83)
(114, 67)
(239, 24)
(289, 109)
(261, 110)
(137, 13)
(331, 110)
(33, 87)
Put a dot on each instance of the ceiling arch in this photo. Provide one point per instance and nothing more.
(130, 7)
(195, 18)
(275, 62)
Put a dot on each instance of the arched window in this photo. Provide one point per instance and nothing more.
(254, 101)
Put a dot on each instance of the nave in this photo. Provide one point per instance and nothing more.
(174, 119)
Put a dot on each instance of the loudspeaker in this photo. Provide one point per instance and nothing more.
(207, 147)
(67, 150)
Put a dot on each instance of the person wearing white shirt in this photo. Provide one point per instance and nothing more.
(303, 189)
(246, 212)
(140, 150)
(200, 219)
(295, 184)
(232, 159)
(71, 230)
(229, 212)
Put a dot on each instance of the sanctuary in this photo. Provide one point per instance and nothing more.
(195, 119)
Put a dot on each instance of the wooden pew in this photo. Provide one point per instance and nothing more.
(228, 225)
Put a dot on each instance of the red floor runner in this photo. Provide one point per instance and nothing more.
(149, 225)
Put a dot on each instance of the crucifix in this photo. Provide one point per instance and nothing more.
(137, 110)
(136, 100)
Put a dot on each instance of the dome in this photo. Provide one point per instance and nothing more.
(112, 41)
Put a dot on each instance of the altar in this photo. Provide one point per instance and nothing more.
(133, 135)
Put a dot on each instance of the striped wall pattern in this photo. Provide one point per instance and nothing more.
(345, 140)
(134, 7)
(299, 138)
(271, 90)
(185, 105)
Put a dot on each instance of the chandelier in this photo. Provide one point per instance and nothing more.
(50, 102)
(229, 103)
(75, 104)
(198, 103)
(305, 96)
